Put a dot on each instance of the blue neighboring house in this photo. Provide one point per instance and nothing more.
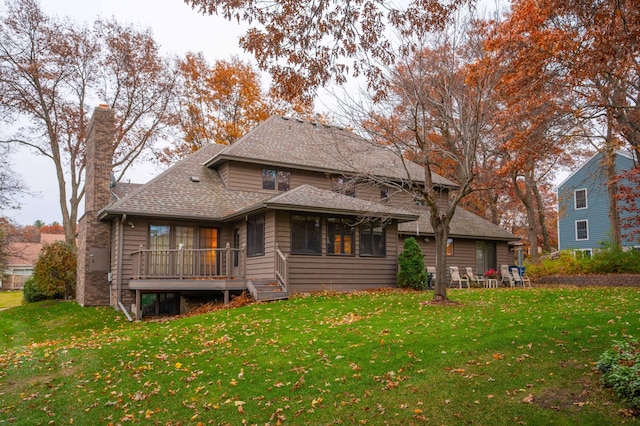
(583, 206)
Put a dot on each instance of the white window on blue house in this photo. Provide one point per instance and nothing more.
(582, 229)
(580, 199)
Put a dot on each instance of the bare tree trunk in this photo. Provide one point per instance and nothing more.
(542, 218)
(441, 232)
(527, 200)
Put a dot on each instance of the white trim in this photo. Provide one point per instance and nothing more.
(576, 229)
(575, 199)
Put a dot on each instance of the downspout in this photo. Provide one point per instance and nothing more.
(119, 268)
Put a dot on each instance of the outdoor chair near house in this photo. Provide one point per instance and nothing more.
(475, 278)
(456, 278)
(505, 276)
(520, 279)
(431, 275)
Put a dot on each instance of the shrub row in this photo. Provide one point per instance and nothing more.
(604, 261)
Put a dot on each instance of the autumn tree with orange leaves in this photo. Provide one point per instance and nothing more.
(222, 102)
(53, 72)
(436, 114)
(575, 61)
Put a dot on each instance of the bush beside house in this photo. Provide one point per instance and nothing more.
(54, 275)
(411, 262)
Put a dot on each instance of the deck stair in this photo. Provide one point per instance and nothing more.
(267, 290)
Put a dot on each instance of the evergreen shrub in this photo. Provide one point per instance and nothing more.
(412, 273)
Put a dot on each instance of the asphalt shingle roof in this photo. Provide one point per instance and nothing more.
(307, 197)
(310, 145)
(463, 224)
(173, 193)
(193, 189)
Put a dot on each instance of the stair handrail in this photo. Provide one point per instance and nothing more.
(282, 268)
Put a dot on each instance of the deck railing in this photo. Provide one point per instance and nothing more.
(282, 268)
(184, 263)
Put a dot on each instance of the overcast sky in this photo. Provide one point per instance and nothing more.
(177, 29)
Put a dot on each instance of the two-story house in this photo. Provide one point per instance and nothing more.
(583, 205)
(292, 206)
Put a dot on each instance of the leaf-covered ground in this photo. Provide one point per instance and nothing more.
(508, 356)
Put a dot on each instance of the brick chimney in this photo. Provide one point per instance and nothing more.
(94, 236)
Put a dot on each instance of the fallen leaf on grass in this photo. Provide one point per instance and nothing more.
(528, 399)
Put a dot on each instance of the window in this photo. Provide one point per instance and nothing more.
(165, 241)
(372, 239)
(159, 244)
(384, 193)
(344, 186)
(255, 236)
(208, 261)
(582, 230)
(306, 234)
(272, 179)
(340, 236)
(152, 304)
(449, 249)
(580, 199)
(284, 180)
(583, 254)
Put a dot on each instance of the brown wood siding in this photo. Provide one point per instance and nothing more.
(223, 171)
(340, 273)
(262, 267)
(504, 254)
(305, 177)
(464, 252)
(244, 176)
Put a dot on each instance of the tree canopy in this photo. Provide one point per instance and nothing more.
(306, 44)
(52, 73)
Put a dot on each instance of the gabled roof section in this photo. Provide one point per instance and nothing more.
(187, 190)
(299, 144)
(310, 198)
(463, 225)
(598, 156)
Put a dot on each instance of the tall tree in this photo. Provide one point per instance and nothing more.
(436, 115)
(587, 49)
(51, 74)
(220, 103)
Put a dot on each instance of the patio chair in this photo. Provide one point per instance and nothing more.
(475, 278)
(505, 275)
(518, 279)
(431, 275)
(456, 278)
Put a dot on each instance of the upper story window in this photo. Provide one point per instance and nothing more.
(340, 236)
(582, 229)
(580, 198)
(306, 234)
(276, 179)
(372, 239)
(384, 193)
(344, 186)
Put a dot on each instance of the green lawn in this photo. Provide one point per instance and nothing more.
(9, 299)
(499, 357)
